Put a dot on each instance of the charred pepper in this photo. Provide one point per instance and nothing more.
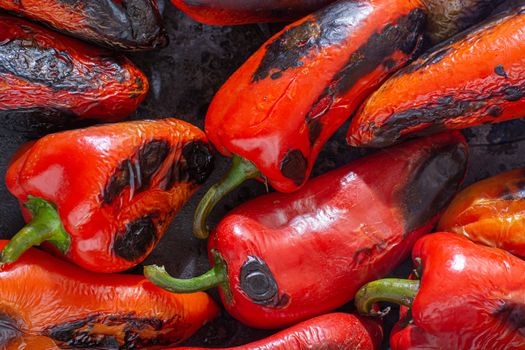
(300, 87)
(475, 78)
(468, 297)
(131, 25)
(283, 258)
(42, 297)
(104, 196)
(48, 79)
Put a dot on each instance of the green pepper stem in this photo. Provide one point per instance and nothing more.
(392, 290)
(240, 171)
(45, 225)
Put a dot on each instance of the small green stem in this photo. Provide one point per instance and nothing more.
(391, 290)
(240, 171)
(45, 225)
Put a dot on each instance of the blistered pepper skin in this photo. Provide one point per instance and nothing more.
(473, 79)
(53, 79)
(42, 297)
(131, 25)
(491, 212)
(332, 331)
(116, 187)
(307, 80)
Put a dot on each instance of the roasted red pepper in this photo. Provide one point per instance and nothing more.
(301, 86)
(469, 297)
(333, 331)
(105, 195)
(475, 78)
(283, 258)
(44, 297)
(53, 79)
(131, 25)
(491, 212)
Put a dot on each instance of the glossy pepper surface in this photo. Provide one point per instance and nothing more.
(54, 79)
(332, 331)
(283, 258)
(42, 297)
(468, 297)
(131, 25)
(301, 86)
(491, 211)
(477, 77)
(104, 196)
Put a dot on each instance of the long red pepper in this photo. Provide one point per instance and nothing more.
(332, 331)
(468, 297)
(42, 297)
(283, 258)
(104, 196)
(277, 111)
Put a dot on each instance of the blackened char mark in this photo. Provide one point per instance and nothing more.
(37, 121)
(258, 283)
(138, 238)
(195, 164)
(120, 179)
(500, 70)
(432, 185)
(329, 26)
(8, 330)
(150, 159)
(428, 59)
(511, 314)
(294, 166)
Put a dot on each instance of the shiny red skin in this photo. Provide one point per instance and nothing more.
(342, 230)
(301, 86)
(471, 297)
(73, 170)
(44, 70)
(332, 331)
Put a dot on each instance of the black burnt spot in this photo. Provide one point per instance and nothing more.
(150, 158)
(511, 314)
(120, 179)
(294, 166)
(199, 161)
(500, 70)
(513, 93)
(138, 238)
(8, 330)
(432, 57)
(494, 111)
(258, 283)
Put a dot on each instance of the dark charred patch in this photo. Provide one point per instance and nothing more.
(8, 329)
(258, 283)
(199, 161)
(432, 57)
(36, 122)
(500, 70)
(118, 182)
(138, 238)
(512, 314)
(294, 166)
(513, 93)
(150, 158)
(516, 192)
(473, 11)
(390, 64)
(432, 185)
(494, 111)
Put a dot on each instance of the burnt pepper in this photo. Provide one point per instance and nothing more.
(131, 25)
(104, 196)
(283, 258)
(468, 297)
(44, 300)
(49, 79)
(300, 87)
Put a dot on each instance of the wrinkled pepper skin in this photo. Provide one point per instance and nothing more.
(469, 297)
(234, 12)
(491, 212)
(42, 297)
(283, 258)
(475, 78)
(332, 331)
(52, 79)
(116, 187)
(131, 25)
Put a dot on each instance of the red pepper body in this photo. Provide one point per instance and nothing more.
(55, 78)
(116, 187)
(471, 297)
(307, 80)
(332, 331)
(233, 12)
(477, 77)
(491, 212)
(42, 296)
(131, 25)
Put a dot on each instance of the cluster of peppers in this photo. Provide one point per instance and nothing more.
(345, 228)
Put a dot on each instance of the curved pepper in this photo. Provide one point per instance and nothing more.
(491, 212)
(131, 25)
(300, 87)
(477, 77)
(283, 258)
(469, 297)
(333, 331)
(48, 79)
(104, 196)
(42, 296)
